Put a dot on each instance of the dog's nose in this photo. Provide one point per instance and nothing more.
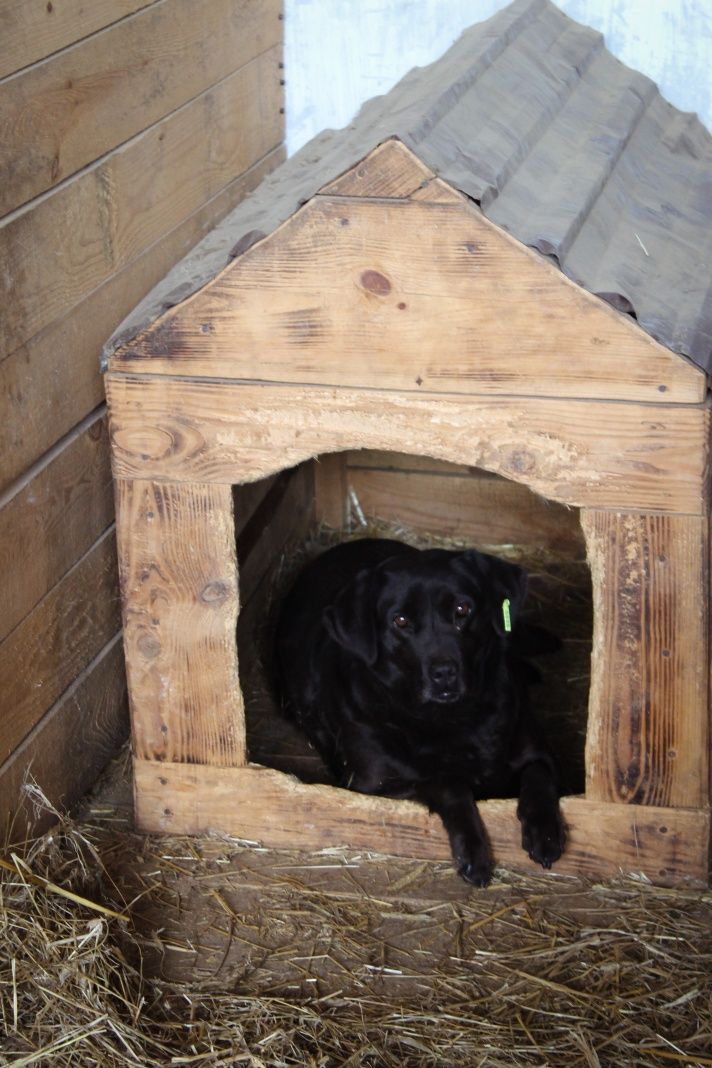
(443, 673)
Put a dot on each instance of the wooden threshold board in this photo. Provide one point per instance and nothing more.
(259, 804)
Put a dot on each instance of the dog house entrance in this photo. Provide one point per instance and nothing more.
(293, 516)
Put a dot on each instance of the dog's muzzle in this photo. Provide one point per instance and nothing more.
(443, 683)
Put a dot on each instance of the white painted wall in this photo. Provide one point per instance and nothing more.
(339, 53)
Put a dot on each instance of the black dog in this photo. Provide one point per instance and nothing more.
(403, 669)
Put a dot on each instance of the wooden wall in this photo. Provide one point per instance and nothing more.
(129, 128)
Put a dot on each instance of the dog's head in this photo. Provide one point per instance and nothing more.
(424, 623)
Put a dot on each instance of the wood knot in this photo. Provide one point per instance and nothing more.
(522, 461)
(215, 592)
(375, 282)
(148, 646)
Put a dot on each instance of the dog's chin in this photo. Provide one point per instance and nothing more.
(443, 697)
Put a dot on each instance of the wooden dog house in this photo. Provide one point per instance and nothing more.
(373, 299)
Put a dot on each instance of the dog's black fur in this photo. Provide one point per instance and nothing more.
(397, 665)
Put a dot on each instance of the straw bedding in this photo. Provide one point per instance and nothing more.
(228, 954)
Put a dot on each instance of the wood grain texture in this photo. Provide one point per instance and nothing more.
(390, 170)
(436, 191)
(43, 655)
(281, 521)
(79, 104)
(404, 461)
(62, 247)
(36, 407)
(486, 511)
(669, 845)
(648, 728)
(54, 518)
(34, 29)
(180, 602)
(408, 295)
(578, 452)
(69, 746)
(331, 489)
(246, 500)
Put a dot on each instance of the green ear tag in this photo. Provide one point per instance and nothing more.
(506, 617)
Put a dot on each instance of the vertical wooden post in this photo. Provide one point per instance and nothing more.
(179, 588)
(648, 725)
(331, 489)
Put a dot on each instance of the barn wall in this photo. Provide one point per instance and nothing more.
(129, 128)
(340, 54)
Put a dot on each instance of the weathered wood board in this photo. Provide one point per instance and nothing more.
(49, 523)
(484, 511)
(36, 406)
(331, 489)
(65, 245)
(390, 171)
(69, 746)
(56, 640)
(179, 584)
(32, 31)
(412, 296)
(80, 103)
(263, 805)
(129, 130)
(283, 519)
(648, 730)
(592, 453)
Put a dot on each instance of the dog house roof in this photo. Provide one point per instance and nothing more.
(573, 153)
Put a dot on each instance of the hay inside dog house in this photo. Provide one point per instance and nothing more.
(504, 263)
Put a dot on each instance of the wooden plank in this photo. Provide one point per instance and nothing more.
(36, 28)
(668, 845)
(331, 489)
(246, 499)
(179, 592)
(578, 452)
(648, 726)
(36, 407)
(438, 192)
(63, 246)
(404, 461)
(487, 512)
(281, 521)
(391, 170)
(54, 518)
(77, 105)
(56, 641)
(408, 295)
(70, 745)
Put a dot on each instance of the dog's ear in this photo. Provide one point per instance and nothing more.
(351, 619)
(504, 584)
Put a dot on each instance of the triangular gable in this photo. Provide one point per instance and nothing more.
(389, 278)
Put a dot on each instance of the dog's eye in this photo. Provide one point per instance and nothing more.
(400, 621)
(462, 610)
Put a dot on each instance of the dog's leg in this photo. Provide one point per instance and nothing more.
(456, 807)
(543, 833)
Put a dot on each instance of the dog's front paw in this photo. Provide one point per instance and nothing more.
(544, 837)
(474, 863)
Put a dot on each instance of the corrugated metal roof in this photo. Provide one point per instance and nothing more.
(559, 143)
